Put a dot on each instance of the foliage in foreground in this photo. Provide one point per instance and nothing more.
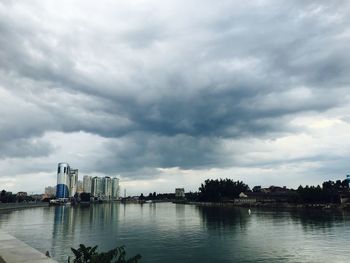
(90, 255)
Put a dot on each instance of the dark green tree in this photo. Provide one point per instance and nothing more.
(90, 255)
(221, 190)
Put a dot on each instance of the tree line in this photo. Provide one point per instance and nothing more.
(9, 197)
(221, 190)
(328, 193)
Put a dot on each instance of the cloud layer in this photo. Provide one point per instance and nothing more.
(164, 94)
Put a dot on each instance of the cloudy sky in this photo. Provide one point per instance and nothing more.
(165, 94)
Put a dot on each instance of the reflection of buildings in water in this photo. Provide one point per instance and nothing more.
(180, 210)
(181, 216)
(101, 214)
(75, 225)
(224, 217)
(313, 219)
(141, 212)
(153, 209)
(105, 216)
(64, 222)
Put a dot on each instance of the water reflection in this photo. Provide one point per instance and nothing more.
(224, 217)
(75, 225)
(318, 219)
(172, 233)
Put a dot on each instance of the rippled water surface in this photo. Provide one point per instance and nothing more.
(166, 232)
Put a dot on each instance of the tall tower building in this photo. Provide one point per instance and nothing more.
(80, 187)
(73, 182)
(97, 188)
(107, 187)
(87, 184)
(63, 180)
(115, 188)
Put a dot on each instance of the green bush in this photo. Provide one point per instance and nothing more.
(90, 255)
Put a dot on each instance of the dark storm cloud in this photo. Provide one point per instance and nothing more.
(147, 150)
(25, 148)
(167, 89)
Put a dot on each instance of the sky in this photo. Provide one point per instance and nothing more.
(166, 94)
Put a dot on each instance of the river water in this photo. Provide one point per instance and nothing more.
(166, 232)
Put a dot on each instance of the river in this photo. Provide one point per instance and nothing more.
(166, 232)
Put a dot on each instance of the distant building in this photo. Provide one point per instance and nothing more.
(73, 180)
(63, 180)
(87, 184)
(80, 187)
(21, 194)
(256, 188)
(107, 187)
(180, 193)
(242, 195)
(50, 191)
(102, 187)
(115, 188)
(97, 187)
(37, 196)
(244, 199)
(67, 181)
(272, 194)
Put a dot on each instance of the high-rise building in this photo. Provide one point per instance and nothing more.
(87, 184)
(80, 187)
(63, 180)
(97, 187)
(73, 181)
(107, 187)
(67, 181)
(115, 188)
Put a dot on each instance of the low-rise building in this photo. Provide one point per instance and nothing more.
(179, 193)
(22, 194)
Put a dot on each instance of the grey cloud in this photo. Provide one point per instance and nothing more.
(167, 90)
(23, 148)
(146, 150)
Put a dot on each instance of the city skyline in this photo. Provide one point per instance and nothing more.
(166, 95)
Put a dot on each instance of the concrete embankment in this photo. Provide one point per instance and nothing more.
(13, 250)
(14, 206)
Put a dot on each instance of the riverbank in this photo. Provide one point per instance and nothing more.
(271, 205)
(16, 206)
(13, 250)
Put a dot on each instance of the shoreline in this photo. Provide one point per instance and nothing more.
(13, 250)
(18, 206)
(324, 207)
